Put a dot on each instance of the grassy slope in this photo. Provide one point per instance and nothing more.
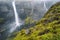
(48, 28)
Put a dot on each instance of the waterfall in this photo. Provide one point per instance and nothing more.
(45, 6)
(16, 23)
(16, 14)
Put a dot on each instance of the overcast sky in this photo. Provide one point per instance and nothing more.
(30, 0)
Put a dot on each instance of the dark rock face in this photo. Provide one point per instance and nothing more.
(6, 14)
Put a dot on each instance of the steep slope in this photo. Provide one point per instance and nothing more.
(48, 28)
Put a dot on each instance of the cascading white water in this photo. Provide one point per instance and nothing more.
(45, 6)
(16, 23)
(16, 14)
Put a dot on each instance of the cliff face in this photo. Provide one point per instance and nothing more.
(48, 28)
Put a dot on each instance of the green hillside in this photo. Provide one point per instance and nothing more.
(48, 28)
